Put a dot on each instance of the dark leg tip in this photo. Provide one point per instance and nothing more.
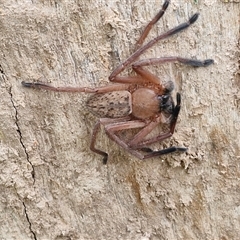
(181, 149)
(178, 98)
(26, 84)
(193, 18)
(165, 5)
(196, 63)
(105, 159)
(208, 62)
(175, 149)
(33, 84)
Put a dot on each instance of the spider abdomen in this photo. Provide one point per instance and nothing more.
(110, 105)
(145, 103)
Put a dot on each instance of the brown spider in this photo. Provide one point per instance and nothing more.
(140, 101)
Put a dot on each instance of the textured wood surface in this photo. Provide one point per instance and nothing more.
(53, 186)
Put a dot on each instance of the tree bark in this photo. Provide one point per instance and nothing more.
(53, 186)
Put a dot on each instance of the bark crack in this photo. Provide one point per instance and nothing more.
(29, 222)
(20, 134)
(3, 75)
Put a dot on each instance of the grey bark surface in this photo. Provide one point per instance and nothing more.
(53, 186)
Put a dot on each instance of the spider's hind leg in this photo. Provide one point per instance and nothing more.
(164, 151)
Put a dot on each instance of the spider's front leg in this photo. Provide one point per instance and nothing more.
(151, 24)
(114, 75)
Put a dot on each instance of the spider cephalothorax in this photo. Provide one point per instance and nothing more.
(136, 102)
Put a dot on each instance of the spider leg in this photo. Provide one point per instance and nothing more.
(39, 85)
(134, 146)
(144, 132)
(151, 24)
(110, 126)
(109, 88)
(111, 130)
(164, 151)
(142, 49)
(187, 61)
(145, 75)
(93, 140)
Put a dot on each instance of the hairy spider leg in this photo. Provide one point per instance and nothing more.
(114, 75)
(143, 133)
(186, 61)
(136, 79)
(137, 144)
(104, 89)
(112, 126)
(151, 24)
(148, 76)
(93, 140)
(137, 67)
(164, 151)
(104, 122)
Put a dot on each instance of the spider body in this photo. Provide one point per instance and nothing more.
(142, 103)
(136, 102)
